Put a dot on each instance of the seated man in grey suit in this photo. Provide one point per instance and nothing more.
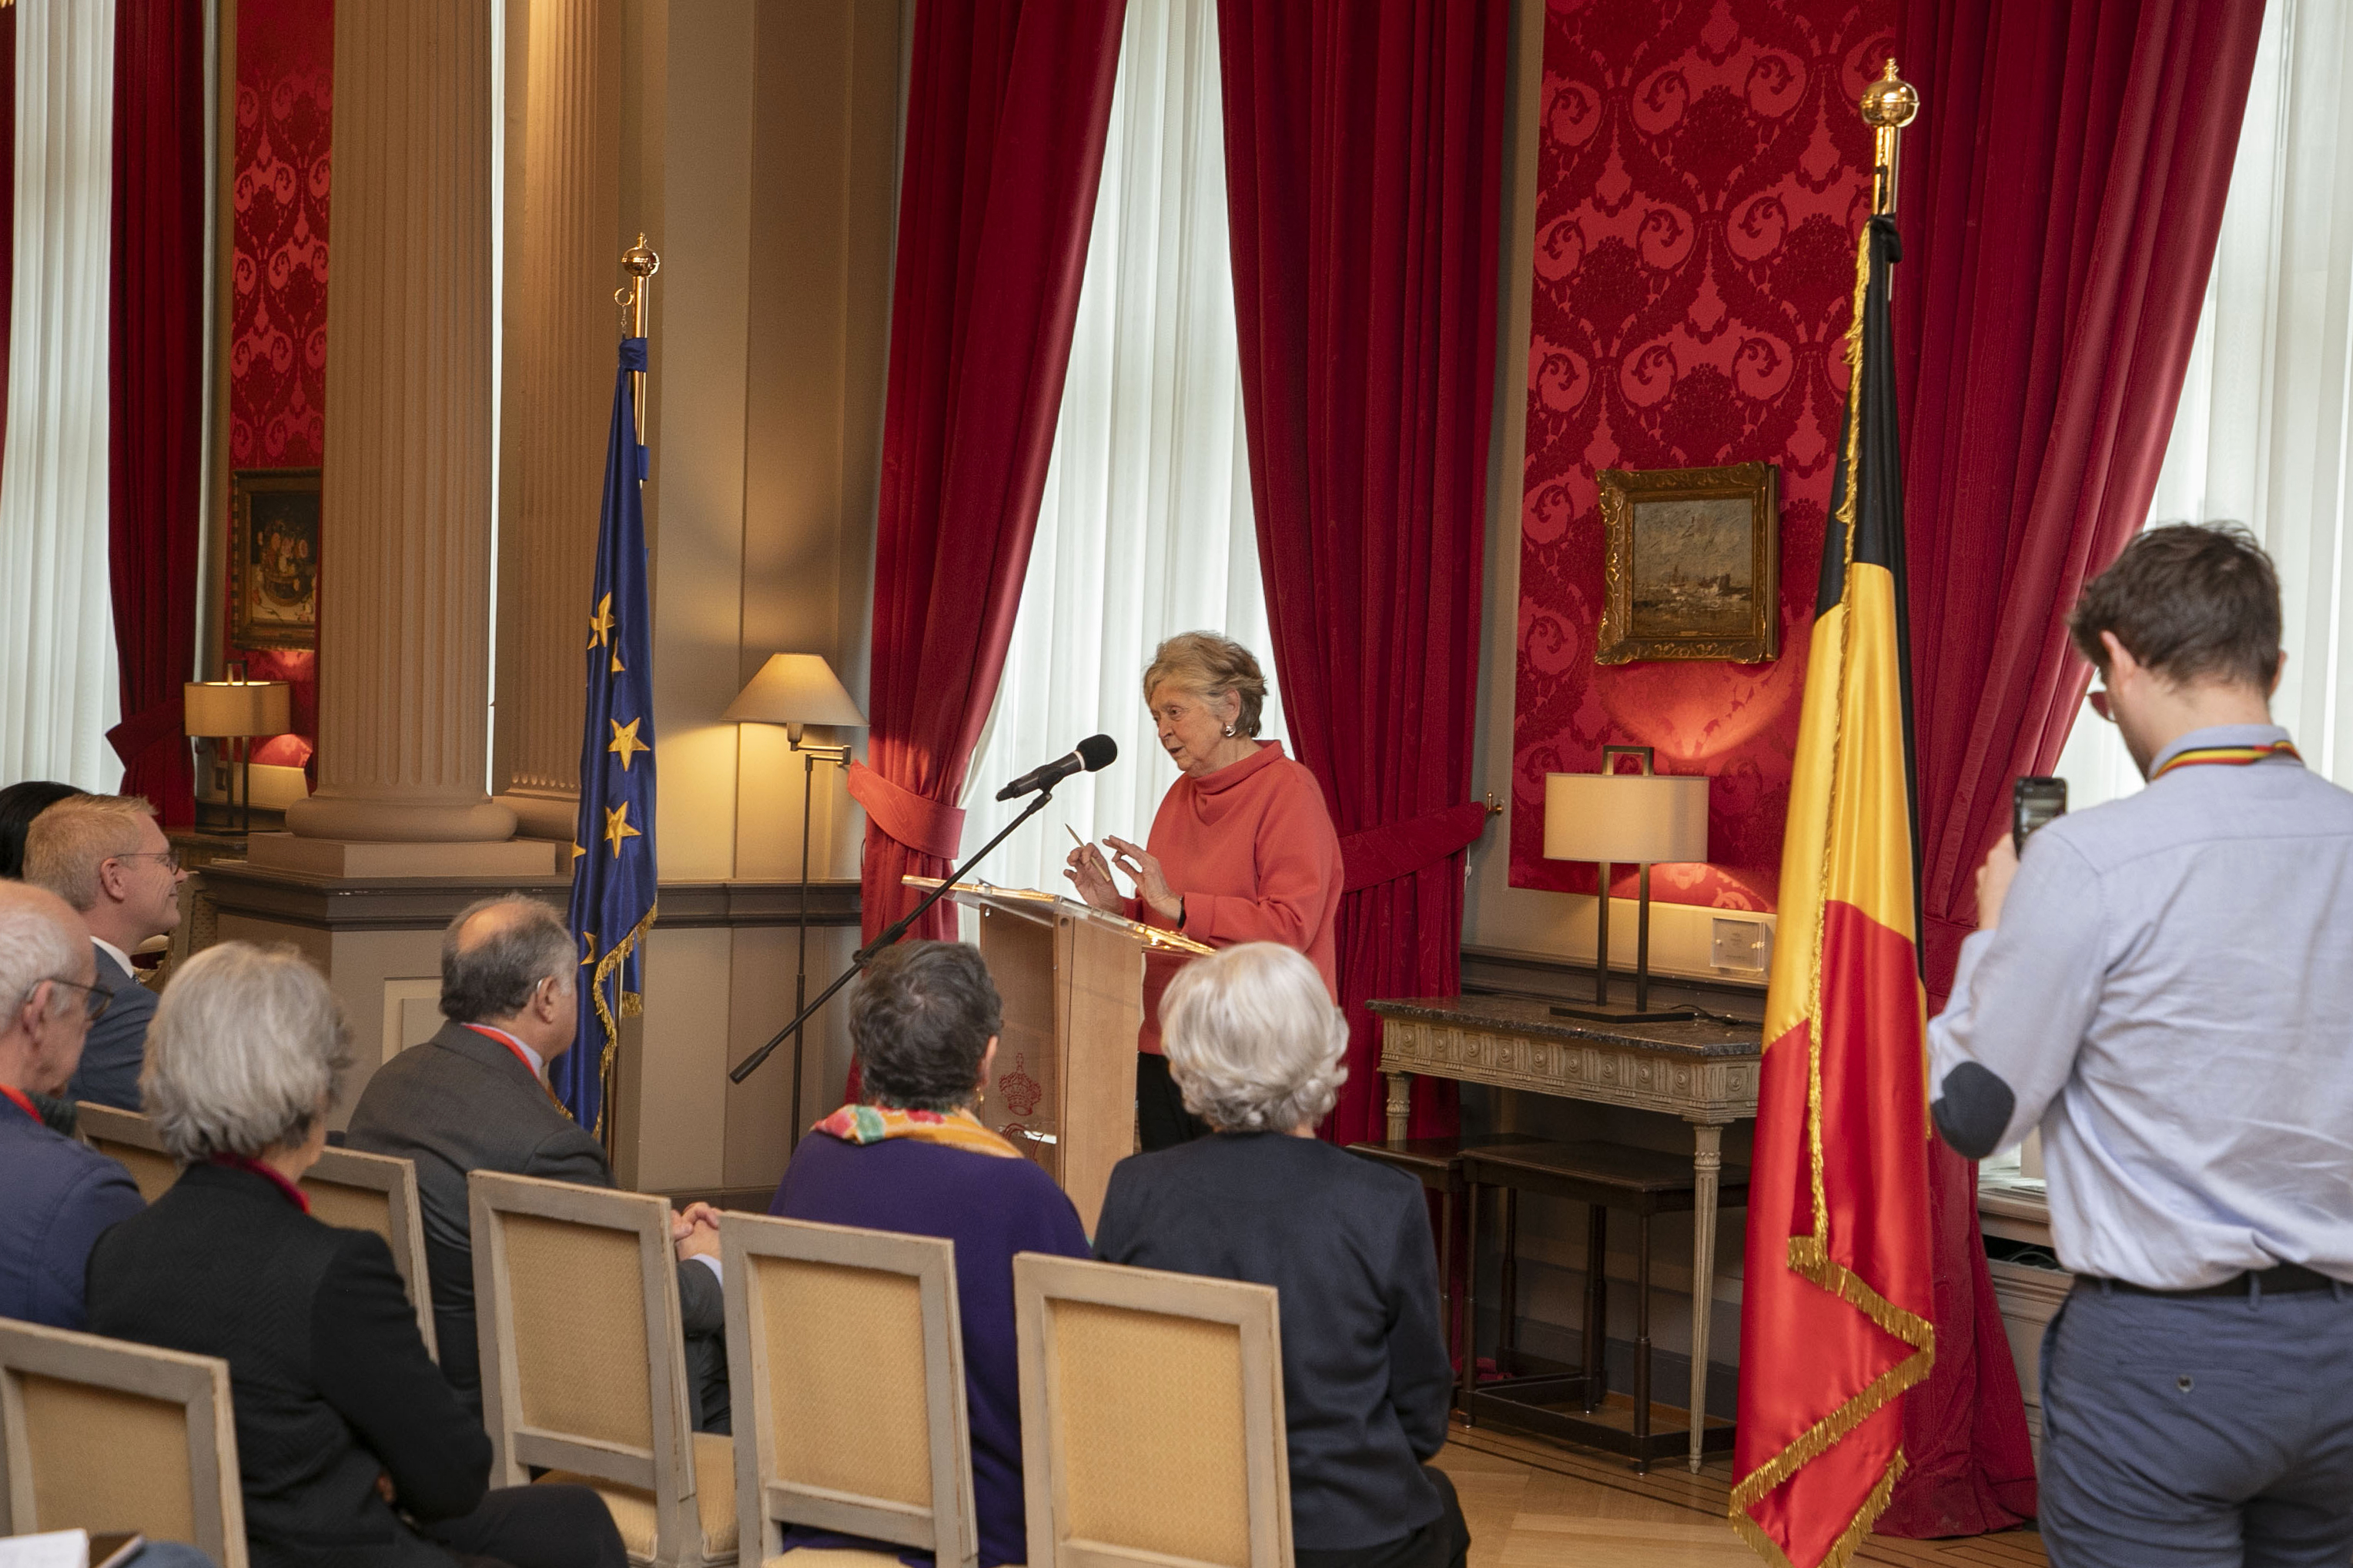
(104, 855)
(473, 1098)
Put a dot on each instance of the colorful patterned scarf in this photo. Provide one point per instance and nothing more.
(955, 1130)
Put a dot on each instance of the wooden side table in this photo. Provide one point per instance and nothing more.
(1703, 1072)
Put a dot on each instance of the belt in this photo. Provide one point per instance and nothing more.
(2286, 1279)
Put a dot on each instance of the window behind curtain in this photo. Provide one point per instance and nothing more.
(2262, 434)
(1146, 529)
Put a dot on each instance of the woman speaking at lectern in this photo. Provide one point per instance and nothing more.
(1242, 849)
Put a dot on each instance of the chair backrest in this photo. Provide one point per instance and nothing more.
(845, 1358)
(1152, 1421)
(107, 1437)
(378, 1192)
(130, 1138)
(576, 1300)
(346, 1188)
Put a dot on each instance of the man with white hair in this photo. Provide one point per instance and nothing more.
(104, 855)
(60, 1195)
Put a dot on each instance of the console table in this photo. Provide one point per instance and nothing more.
(1704, 1071)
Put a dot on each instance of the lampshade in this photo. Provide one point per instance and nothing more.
(794, 689)
(223, 708)
(1625, 818)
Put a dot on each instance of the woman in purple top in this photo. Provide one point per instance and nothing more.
(913, 1158)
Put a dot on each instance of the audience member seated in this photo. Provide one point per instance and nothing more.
(1254, 1043)
(914, 1158)
(351, 1447)
(19, 803)
(473, 1098)
(60, 1195)
(104, 855)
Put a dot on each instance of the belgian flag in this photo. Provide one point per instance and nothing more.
(1836, 1309)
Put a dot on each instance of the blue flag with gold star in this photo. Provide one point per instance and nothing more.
(613, 878)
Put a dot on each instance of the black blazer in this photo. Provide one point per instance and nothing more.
(463, 1103)
(1366, 1375)
(327, 1371)
(116, 1048)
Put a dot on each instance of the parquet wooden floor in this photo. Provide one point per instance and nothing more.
(1534, 1505)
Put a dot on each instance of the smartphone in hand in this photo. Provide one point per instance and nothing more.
(2032, 802)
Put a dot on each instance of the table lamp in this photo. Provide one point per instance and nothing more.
(796, 689)
(1618, 819)
(237, 709)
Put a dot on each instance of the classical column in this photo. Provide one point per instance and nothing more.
(564, 250)
(405, 557)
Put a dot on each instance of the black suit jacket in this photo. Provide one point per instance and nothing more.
(462, 1102)
(327, 1371)
(117, 1046)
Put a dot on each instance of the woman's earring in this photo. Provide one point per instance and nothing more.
(1229, 732)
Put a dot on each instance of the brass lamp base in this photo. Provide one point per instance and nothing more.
(1600, 1015)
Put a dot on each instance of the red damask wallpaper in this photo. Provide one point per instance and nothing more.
(1702, 177)
(277, 314)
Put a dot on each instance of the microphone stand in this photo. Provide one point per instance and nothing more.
(865, 955)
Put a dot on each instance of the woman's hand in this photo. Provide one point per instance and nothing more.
(1151, 886)
(1091, 876)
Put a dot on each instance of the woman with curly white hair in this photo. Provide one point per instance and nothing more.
(1254, 1042)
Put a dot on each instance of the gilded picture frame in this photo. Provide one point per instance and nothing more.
(273, 558)
(1691, 563)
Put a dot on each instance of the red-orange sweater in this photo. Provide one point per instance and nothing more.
(1252, 852)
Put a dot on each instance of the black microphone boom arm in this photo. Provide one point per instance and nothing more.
(865, 955)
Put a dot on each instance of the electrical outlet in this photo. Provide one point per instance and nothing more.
(1741, 947)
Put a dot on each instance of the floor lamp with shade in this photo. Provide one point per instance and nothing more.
(1618, 819)
(237, 709)
(798, 690)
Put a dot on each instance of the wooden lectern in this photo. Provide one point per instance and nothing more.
(1071, 976)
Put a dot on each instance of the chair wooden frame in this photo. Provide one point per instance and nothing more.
(667, 1469)
(765, 1501)
(197, 1383)
(381, 1175)
(1040, 1280)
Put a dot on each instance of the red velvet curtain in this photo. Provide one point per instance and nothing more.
(156, 394)
(2062, 191)
(1364, 144)
(1007, 109)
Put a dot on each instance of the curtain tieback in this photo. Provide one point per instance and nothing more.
(1400, 848)
(151, 726)
(920, 822)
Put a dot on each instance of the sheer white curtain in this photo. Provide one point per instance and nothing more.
(59, 694)
(1146, 528)
(2266, 431)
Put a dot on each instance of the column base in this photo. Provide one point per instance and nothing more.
(401, 815)
(375, 858)
(543, 816)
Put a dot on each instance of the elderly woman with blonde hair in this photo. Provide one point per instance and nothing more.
(1255, 1044)
(1242, 849)
(351, 1448)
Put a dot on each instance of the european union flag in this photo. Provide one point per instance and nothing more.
(613, 877)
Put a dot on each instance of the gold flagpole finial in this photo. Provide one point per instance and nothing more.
(640, 262)
(1888, 106)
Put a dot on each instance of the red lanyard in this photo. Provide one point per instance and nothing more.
(23, 1104)
(294, 1194)
(517, 1050)
(2225, 757)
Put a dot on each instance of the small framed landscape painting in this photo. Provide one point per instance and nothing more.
(273, 558)
(1691, 563)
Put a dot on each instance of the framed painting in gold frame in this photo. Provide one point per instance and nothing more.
(1691, 563)
(273, 558)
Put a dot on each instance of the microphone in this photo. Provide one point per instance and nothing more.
(1095, 754)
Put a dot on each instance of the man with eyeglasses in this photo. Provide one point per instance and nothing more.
(104, 855)
(2163, 985)
(56, 1196)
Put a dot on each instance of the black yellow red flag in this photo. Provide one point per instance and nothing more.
(1835, 1319)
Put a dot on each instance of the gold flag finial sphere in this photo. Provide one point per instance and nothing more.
(1891, 103)
(640, 261)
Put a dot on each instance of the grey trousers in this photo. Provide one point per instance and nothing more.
(2199, 1432)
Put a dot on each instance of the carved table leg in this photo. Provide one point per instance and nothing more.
(1707, 1164)
(1400, 1107)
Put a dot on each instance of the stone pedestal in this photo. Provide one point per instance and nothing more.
(404, 615)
